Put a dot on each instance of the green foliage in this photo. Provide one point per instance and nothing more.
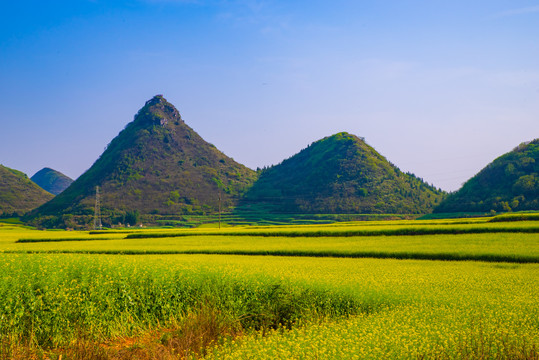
(160, 166)
(18, 194)
(362, 192)
(509, 183)
(132, 217)
(456, 215)
(47, 301)
(521, 216)
(341, 174)
(153, 166)
(526, 185)
(174, 196)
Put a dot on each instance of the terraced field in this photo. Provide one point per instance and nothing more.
(209, 293)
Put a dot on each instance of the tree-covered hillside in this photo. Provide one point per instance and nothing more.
(510, 182)
(341, 174)
(156, 165)
(18, 194)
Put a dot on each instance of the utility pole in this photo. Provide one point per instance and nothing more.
(97, 211)
(219, 209)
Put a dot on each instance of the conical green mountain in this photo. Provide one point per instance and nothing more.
(156, 165)
(18, 194)
(51, 180)
(341, 174)
(510, 182)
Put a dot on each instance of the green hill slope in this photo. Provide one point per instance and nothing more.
(18, 194)
(340, 174)
(156, 165)
(510, 182)
(51, 180)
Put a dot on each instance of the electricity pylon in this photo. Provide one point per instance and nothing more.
(219, 209)
(97, 211)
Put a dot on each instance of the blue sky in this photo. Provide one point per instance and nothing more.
(440, 88)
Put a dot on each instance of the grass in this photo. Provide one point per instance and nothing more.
(453, 215)
(264, 217)
(522, 216)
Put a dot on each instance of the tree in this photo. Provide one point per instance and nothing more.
(525, 184)
(132, 217)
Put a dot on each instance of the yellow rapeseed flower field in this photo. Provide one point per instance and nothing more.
(289, 307)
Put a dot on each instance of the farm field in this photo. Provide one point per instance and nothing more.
(113, 298)
(435, 240)
(516, 247)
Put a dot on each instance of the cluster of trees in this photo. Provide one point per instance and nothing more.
(510, 182)
(158, 165)
(341, 174)
(18, 194)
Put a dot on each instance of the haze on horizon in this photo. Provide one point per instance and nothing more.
(439, 89)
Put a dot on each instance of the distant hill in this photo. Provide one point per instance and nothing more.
(340, 174)
(18, 194)
(157, 165)
(510, 182)
(51, 180)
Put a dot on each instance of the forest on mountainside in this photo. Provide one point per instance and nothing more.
(509, 183)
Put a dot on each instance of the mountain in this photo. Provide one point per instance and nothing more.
(51, 180)
(18, 194)
(157, 165)
(340, 174)
(510, 182)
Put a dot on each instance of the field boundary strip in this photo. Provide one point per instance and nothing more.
(410, 231)
(41, 240)
(520, 259)
(346, 233)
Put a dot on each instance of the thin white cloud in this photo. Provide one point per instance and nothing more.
(519, 11)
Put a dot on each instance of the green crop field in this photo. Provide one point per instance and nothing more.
(339, 291)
